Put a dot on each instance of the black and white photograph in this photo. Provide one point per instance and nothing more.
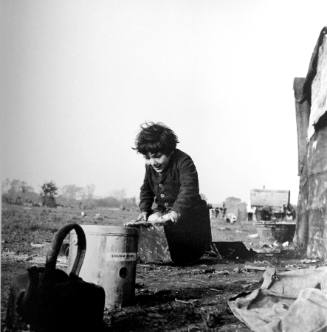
(163, 165)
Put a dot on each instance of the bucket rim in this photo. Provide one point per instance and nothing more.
(109, 230)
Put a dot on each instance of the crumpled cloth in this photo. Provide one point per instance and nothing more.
(287, 301)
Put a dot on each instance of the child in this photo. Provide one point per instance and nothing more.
(171, 182)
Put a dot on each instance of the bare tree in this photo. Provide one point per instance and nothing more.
(49, 191)
(16, 191)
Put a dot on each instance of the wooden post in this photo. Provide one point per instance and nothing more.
(302, 107)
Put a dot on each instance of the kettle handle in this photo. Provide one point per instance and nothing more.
(59, 237)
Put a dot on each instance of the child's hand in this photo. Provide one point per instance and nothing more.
(143, 216)
(170, 216)
(173, 216)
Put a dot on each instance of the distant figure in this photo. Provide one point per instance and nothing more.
(214, 212)
(224, 210)
(171, 182)
(231, 218)
(266, 213)
(289, 212)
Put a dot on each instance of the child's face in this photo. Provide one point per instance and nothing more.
(158, 161)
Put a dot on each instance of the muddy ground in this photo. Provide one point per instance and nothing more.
(167, 297)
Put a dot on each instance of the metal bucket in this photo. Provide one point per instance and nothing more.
(270, 232)
(110, 261)
(284, 232)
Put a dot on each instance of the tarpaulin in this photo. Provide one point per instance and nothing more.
(287, 301)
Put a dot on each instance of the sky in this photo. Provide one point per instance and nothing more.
(78, 77)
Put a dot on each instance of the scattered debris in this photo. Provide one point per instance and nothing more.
(216, 290)
(309, 261)
(192, 301)
(209, 270)
(37, 245)
(254, 268)
(237, 270)
(223, 272)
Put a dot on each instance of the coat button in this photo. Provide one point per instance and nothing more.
(162, 195)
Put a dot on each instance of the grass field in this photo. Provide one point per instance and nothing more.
(22, 226)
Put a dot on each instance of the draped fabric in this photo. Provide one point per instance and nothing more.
(293, 301)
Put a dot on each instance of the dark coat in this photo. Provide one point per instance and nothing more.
(177, 189)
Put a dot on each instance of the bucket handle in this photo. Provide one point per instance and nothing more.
(51, 258)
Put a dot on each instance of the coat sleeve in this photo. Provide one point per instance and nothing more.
(189, 186)
(146, 194)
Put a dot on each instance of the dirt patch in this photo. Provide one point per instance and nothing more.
(167, 297)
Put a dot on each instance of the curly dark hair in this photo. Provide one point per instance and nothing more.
(154, 138)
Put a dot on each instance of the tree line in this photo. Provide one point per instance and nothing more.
(21, 193)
